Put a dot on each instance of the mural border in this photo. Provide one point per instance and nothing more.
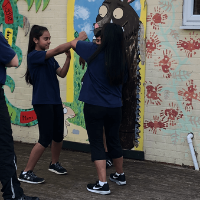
(143, 16)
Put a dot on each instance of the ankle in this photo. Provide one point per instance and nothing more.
(119, 173)
(101, 183)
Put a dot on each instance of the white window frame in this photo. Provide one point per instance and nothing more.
(190, 21)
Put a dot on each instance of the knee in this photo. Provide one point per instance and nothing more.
(58, 138)
(45, 143)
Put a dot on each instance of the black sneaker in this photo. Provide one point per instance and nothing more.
(57, 168)
(96, 188)
(30, 177)
(108, 163)
(120, 180)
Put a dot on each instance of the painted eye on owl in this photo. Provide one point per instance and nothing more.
(103, 10)
(118, 13)
(65, 110)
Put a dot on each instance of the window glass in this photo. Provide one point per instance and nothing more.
(196, 7)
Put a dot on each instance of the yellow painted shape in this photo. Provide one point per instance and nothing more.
(70, 37)
(9, 35)
(143, 17)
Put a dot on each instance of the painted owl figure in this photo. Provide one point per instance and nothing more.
(122, 13)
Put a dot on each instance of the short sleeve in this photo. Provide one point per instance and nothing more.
(6, 52)
(36, 57)
(85, 49)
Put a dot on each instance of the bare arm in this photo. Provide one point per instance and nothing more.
(82, 36)
(14, 62)
(82, 62)
(73, 43)
(62, 72)
(64, 47)
(58, 50)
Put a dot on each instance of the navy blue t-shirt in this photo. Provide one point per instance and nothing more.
(6, 55)
(96, 89)
(43, 74)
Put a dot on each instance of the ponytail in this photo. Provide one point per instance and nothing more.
(36, 32)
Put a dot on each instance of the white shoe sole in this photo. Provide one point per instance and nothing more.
(22, 180)
(99, 192)
(52, 170)
(118, 182)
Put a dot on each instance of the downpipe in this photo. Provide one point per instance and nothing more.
(189, 140)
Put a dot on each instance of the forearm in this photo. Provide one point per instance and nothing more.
(65, 68)
(63, 48)
(58, 50)
(73, 43)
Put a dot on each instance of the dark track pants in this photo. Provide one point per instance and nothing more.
(8, 177)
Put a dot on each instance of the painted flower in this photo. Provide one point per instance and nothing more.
(152, 44)
(153, 94)
(171, 114)
(155, 125)
(189, 45)
(165, 63)
(157, 18)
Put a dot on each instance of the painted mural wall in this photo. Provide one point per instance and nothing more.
(90, 16)
(169, 95)
(65, 19)
(172, 87)
(16, 18)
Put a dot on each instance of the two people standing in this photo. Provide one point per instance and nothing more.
(101, 93)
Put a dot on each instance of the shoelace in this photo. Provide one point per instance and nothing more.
(97, 184)
(32, 174)
(116, 176)
(58, 165)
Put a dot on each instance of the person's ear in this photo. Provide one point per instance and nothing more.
(35, 40)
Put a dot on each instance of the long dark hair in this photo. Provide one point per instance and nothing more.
(113, 44)
(36, 32)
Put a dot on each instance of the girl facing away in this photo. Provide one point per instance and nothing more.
(101, 93)
(42, 71)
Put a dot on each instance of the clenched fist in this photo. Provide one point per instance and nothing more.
(82, 35)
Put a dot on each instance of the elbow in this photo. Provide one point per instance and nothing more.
(16, 64)
(62, 75)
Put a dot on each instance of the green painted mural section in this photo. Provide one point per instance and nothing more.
(14, 112)
(37, 4)
(77, 106)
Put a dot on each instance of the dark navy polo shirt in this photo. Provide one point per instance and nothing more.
(43, 74)
(96, 89)
(6, 55)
